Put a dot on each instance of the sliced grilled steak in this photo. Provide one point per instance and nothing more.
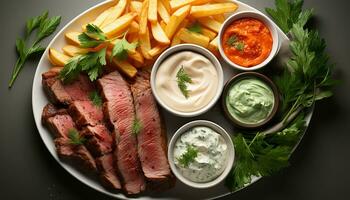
(99, 139)
(49, 111)
(152, 137)
(85, 113)
(107, 172)
(119, 108)
(60, 93)
(60, 125)
(76, 153)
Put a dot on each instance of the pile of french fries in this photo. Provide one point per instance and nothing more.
(155, 25)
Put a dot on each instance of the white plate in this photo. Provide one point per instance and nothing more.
(180, 191)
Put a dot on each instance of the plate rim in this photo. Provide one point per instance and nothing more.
(37, 118)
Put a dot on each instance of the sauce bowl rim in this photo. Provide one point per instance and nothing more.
(261, 77)
(230, 153)
(268, 23)
(197, 49)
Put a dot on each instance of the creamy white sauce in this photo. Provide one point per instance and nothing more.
(202, 89)
(212, 154)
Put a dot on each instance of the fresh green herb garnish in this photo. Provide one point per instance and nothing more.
(92, 37)
(91, 63)
(75, 138)
(307, 78)
(188, 157)
(95, 98)
(182, 79)
(239, 46)
(195, 27)
(121, 47)
(288, 13)
(233, 41)
(263, 155)
(136, 126)
(46, 26)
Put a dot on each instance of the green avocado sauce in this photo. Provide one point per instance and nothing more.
(250, 101)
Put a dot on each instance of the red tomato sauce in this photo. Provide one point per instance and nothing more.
(247, 42)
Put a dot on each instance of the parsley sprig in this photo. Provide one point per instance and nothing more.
(195, 27)
(263, 154)
(121, 48)
(95, 98)
(233, 41)
(136, 126)
(93, 62)
(189, 156)
(182, 79)
(75, 138)
(45, 26)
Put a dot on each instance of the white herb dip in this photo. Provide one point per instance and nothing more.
(211, 158)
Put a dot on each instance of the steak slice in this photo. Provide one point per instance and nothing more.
(60, 93)
(49, 111)
(152, 137)
(99, 140)
(60, 125)
(76, 153)
(108, 175)
(119, 108)
(85, 113)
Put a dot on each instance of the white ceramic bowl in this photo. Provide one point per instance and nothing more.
(197, 49)
(270, 25)
(230, 152)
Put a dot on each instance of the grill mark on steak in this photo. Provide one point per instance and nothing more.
(119, 109)
(152, 137)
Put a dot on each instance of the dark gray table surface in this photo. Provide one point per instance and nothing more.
(319, 167)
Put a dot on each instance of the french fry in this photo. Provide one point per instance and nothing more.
(152, 10)
(163, 13)
(194, 38)
(157, 50)
(134, 27)
(212, 9)
(166, 4)
(210, 23)
(159, 34)
(176, 19)
(73, 38)
(136, 6)
(100, 19)
(143, 17)
(175, 4)
(210, 34)
(124, 66)
(163, 25)
(119, 25)
(116, 12)
(176, 40)
(213, 46)
(145, 44)
(58, 58)
(220, 18)
(72, 51)
(137, 56)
